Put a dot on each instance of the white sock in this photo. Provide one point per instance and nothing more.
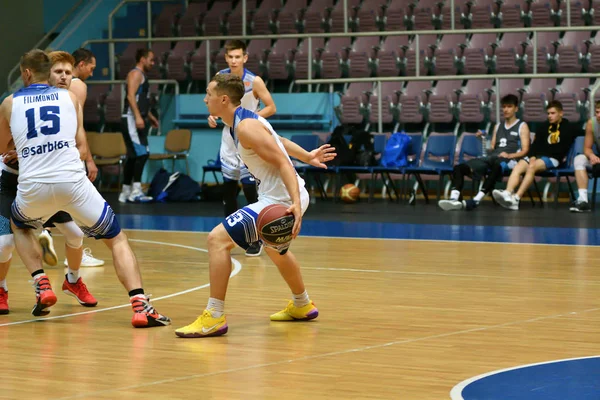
(126, 189)
(38, 276)
(582, 195)
(141, 296)
(137, 186)
(479, 196)
(454, 195)
(72, 276)
(517, 198)
(216, 307)
(3, 285)
(300, 300)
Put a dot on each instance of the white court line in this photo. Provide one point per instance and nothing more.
(317, 356)
(456, 392)
(410, 240)
(237, 267)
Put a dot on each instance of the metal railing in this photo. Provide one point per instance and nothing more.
(9, 79)
(498, 78)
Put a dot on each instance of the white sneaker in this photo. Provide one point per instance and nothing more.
(137, 196)
(450, 205)
(123, 197)
(87, 260)
(48, 253)
(501, 196)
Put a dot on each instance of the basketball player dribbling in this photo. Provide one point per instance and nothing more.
(232, 168)
(266, 156)
(45, 124)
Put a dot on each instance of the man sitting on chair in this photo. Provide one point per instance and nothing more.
(552, 142)
(510, 142)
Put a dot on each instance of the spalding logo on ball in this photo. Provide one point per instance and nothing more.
(275, 225)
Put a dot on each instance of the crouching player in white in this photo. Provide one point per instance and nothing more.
(266, 156)
(45, 124)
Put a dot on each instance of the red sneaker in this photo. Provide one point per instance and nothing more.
(44, 296)
(80, 292)
(3, 301)
(144, 315)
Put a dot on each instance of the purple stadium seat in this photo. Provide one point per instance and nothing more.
(394, 16)
(509, 53)
(412, 100)
(300, 62)
(354, 102)
(165, 23)
(511, 13)
(316, 16)
(361, 59)
(213, 20)
(335, 56)
(443, 19)
(190, 23)
(280, 58)
(573, 93)
(199, 60)
(336, 18)
(535, 99)
(96, 97)
(179, 59)
(265, 17)
(507, 86)
(112, 106)
(162, 51)
(290, 15)
(408, 60)
(234, 21)
(571, 52)
(425, 14)
(543, 13)
(482, 14)
(126, 60)
(474, 100)
(443, 101)
(447, 58)
(478, 53)
(257, 55)
(388, 57)
(389, 100)
(578, 12)
(368, 14)
(546, 48)
(594, 12)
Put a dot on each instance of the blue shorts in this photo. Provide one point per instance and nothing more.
(549, 161)
(241, 225)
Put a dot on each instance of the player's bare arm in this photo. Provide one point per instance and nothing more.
(153, 120)
(5, 133)
(80, 89)
(525, 136)
(253, 135)
(80, 139)
(134, 80)
(260, 91)
(316, 157)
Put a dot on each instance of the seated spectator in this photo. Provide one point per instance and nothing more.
(587, 160)
(510, 142)
(552, 142)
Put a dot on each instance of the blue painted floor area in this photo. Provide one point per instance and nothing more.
(381, 230)
(559, 380)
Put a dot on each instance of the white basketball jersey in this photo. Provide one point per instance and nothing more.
(249, 102)
(43, 124)
(268, 177)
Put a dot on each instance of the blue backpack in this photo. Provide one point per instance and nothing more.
(395, 154)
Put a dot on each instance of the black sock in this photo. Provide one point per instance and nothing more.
(39, 271)
(135, 292)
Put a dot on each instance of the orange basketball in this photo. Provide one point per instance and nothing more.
(275, 225)
(349, 193)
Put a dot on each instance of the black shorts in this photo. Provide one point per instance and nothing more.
(480, 166)
(60, 217)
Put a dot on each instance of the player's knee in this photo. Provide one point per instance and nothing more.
(7, 245)
(580, 162)
(73, 235)
(219, 239)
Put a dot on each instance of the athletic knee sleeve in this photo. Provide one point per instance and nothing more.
(250, 192)
(580, 162)
(230, 192)
(72, 233)
(7, 245)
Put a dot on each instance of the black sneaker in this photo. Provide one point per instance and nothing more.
(580, 206)
(470, 204)
(254, 250)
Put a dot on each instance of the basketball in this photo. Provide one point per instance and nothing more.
(275, 225)
(349, 193)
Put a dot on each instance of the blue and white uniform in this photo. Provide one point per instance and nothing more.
(241, 225)
(51, 176)
(231, 167)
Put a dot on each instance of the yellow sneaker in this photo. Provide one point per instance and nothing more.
(204, 326)
(293, 313)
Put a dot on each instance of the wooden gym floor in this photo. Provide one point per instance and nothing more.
(399, 319)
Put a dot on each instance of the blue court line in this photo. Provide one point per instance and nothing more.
(379, 230)
(574, 378)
